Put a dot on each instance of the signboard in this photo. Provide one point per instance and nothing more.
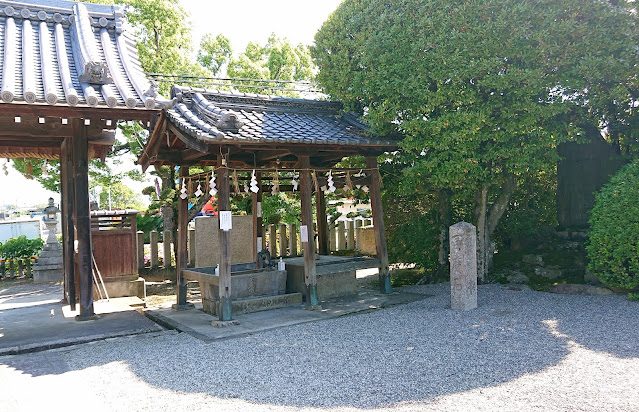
(226, 222)
(304, 233)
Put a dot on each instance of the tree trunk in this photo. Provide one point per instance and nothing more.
(445, 220)
(487, 221)
(483, 237)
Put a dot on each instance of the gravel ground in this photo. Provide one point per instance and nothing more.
(518, 351)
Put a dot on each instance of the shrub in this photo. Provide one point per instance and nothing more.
(20, 247)
(613, 247)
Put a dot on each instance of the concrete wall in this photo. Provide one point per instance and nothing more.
(206, 240)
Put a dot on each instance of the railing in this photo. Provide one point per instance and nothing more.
(17, 268)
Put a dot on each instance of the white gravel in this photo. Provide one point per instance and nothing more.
(518, 351)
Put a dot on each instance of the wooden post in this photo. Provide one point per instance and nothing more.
(224, 204)
(82, 218)
(283, 240)
(166, 247)
(292, 230)
(67, 204)
(153, 240)
(350, 238)
(322, 224)
(181, 258)
(378, 224)
(258, 233)
(191, 247)
(307, 237)
(140, 241)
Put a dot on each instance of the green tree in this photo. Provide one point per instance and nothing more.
(277, 60)
(214, 52)
(482, 91)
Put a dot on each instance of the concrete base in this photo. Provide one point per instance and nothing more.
(122, 288)
(336, 275)
(224, 323)
(49, 266)
(47, 275)
(186, 306)
(256, 304)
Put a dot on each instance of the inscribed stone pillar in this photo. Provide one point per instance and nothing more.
(341, 235)
(272, 240)
(166, 248)
(350, 240)
(292, 230)
(140, 240)
(463, 266)
(153, 235)
(283, 240)
(332, 245)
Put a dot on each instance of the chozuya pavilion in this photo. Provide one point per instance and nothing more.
(266, 140)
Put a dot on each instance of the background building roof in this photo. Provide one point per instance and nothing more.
(65, 53)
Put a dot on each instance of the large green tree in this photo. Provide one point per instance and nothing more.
(482, 91)
(277, 60)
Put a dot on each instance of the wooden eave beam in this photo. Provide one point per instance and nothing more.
(75, 112)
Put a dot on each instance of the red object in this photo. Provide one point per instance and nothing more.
(209, 208)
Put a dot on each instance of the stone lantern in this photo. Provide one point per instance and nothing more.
(49, 265)
(51, 220)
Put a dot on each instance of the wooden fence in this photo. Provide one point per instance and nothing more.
(281, 241)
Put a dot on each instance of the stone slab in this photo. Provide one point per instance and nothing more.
(463, 266)
(52, 325)
(207, 241)
(197, 323)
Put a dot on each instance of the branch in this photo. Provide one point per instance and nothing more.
(197, 207)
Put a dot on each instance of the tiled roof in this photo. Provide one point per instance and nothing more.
(65, 53)
(219, 117)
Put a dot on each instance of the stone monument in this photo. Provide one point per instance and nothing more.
(463, 266)
(49, 266)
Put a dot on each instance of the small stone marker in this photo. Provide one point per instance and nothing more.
(463, 266)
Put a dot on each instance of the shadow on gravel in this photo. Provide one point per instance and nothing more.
(408, 353)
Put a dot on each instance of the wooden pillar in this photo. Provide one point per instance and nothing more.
(67, 202)
(182, 256)
(306, 236)
(322, 224)
(258, 234)
(378, 225)
(80, 145)
(224, 204)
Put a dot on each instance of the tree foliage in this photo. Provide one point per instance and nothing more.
(215, 52)
(277, 60)
(613, 244)
(482, 91)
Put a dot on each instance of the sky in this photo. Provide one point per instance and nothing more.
(241, 21)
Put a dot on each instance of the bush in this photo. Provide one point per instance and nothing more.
(613, 247)
(20, 247)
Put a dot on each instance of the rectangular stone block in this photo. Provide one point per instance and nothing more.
(463, 266)
(206, 240)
